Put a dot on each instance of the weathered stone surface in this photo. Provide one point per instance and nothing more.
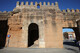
(49, 19)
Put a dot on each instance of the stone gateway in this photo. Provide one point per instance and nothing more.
(30, 26)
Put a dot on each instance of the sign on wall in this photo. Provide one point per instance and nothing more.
(8, 36)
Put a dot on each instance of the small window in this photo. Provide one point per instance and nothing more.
(38, 6)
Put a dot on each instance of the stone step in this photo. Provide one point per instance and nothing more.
(34, 46)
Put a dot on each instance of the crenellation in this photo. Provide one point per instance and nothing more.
(77, 10)
(52, 4)
(36, 3)
(44, 3)
(17, 4)
(40, 3)
(68, 10)
(9, 11)
(27, 3)
(48, 3)
(5, 12)
(22, 3)
(72, 10)
(63, 11)
(31, 3)
(26, 21)
(56, 4)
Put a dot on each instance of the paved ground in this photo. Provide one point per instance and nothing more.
(68, 48)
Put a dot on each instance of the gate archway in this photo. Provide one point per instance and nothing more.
(33, 35)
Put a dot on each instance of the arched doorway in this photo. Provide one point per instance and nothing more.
(3, 32)
(69, 36)
(33, 35)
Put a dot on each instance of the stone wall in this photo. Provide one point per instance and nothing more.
(49, 18)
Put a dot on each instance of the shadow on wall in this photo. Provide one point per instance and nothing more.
(33, 34)
(3, 33)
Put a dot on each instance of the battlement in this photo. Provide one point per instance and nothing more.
(4, 15)
(18, 4)
(72, 10)
(3, 12)
(31, 3)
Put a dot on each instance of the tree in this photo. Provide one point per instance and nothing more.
(65, 34)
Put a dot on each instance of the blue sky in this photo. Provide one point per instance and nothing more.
(9, 5)
(68, 30)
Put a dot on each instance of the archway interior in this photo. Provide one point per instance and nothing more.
(69, 36)
(3, 33)
(68, 33)
(33, 34)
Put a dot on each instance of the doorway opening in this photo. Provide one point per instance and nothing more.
(3, 33)
(33, 35)
(69, 36)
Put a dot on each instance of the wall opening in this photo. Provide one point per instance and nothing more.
(3, 33)
(69, 37)
(33, 35)
(38, 6)
(68, 34)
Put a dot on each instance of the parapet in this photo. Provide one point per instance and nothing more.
(36, 4)
(48, 3)
(72, 10)
(4, 15)
(26, 3)
(56, 4)
(77, 10)
(3, 12)
(17, 4)
(68, 10)
(22, 3)
(31, 3)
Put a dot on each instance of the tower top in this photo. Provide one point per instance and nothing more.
(43, 5)
(18, 4)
